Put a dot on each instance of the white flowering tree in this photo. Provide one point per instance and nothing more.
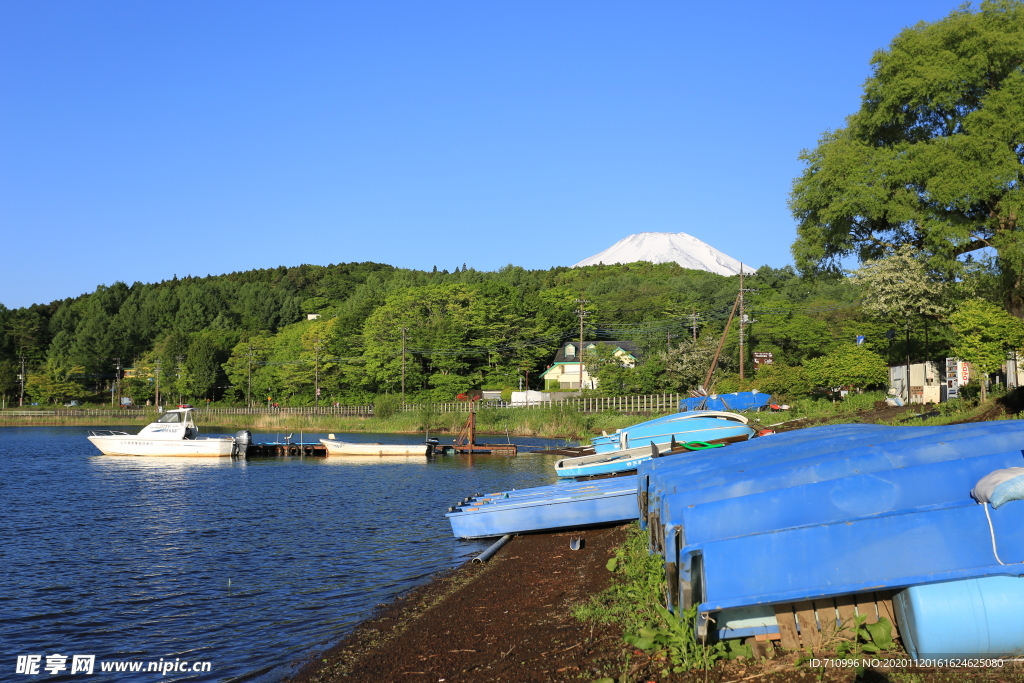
(899, 289)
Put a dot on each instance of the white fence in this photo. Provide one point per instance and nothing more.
(650, 403)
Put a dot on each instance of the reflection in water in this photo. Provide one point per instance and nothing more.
(133, 462)
(375, 460)
(246, 564)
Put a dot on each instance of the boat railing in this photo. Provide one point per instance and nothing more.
(107, 432)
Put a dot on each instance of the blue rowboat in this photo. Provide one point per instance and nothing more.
(707, 425)
(544, 508)
(623, 461)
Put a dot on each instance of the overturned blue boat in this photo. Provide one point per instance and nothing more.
(560, 506)
(834, 512)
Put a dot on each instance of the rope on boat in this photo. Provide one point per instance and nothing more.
(992, 535)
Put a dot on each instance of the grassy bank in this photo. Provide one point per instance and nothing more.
(863, 408)
(128, 420)
(557, 423)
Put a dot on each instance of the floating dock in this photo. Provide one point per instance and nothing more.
(245, 448)
(465, 443)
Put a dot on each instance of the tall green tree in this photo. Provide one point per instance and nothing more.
(244, 363)
(172, 352)
(313, 366)
(8, 379)
(984, 335)
(200, 368)
(934, 157)
(439, 330)
(55, 382)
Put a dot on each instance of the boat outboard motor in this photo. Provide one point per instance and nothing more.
(243, 438)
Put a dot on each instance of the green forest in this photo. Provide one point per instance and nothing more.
(907, 234)
(246, 336)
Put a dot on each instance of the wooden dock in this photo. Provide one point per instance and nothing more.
(285, 450)
(465, 443)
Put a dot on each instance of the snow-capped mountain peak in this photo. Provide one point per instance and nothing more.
(665, 247)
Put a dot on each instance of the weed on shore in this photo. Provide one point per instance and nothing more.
(665, 640)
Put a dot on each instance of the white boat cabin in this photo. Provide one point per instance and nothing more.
(172, 424)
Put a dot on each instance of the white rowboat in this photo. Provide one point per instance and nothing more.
(336, 447)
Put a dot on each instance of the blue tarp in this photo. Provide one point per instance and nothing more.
(738, 402)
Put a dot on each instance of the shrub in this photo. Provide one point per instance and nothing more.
(779, 379)
(387, 405)
(848, 365)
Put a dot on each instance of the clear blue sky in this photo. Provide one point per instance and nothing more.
(143, 140)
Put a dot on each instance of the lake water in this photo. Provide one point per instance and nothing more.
(249, 565)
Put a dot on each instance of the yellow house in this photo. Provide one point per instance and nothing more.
(565, 371)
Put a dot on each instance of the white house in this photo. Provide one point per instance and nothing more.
(566, 370)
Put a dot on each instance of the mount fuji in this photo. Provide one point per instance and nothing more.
(666, 247)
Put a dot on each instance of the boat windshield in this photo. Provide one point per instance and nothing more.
(169, 417)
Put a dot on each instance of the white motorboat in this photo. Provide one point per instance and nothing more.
(173, 434)
(336, 447)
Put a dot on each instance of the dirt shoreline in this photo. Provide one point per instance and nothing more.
(505, 620)
(509, 621)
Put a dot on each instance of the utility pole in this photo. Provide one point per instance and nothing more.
(316, 371)
(404, 329)
(21, 379)
(117, 382)
(156, 402)
(582, 314)
(743, 321)
(180, 360)
(694, 318)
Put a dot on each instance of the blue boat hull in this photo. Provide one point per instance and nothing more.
(546, 508)
(608, 466)
(682, 426)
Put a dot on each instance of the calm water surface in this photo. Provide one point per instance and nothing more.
(249, 565)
